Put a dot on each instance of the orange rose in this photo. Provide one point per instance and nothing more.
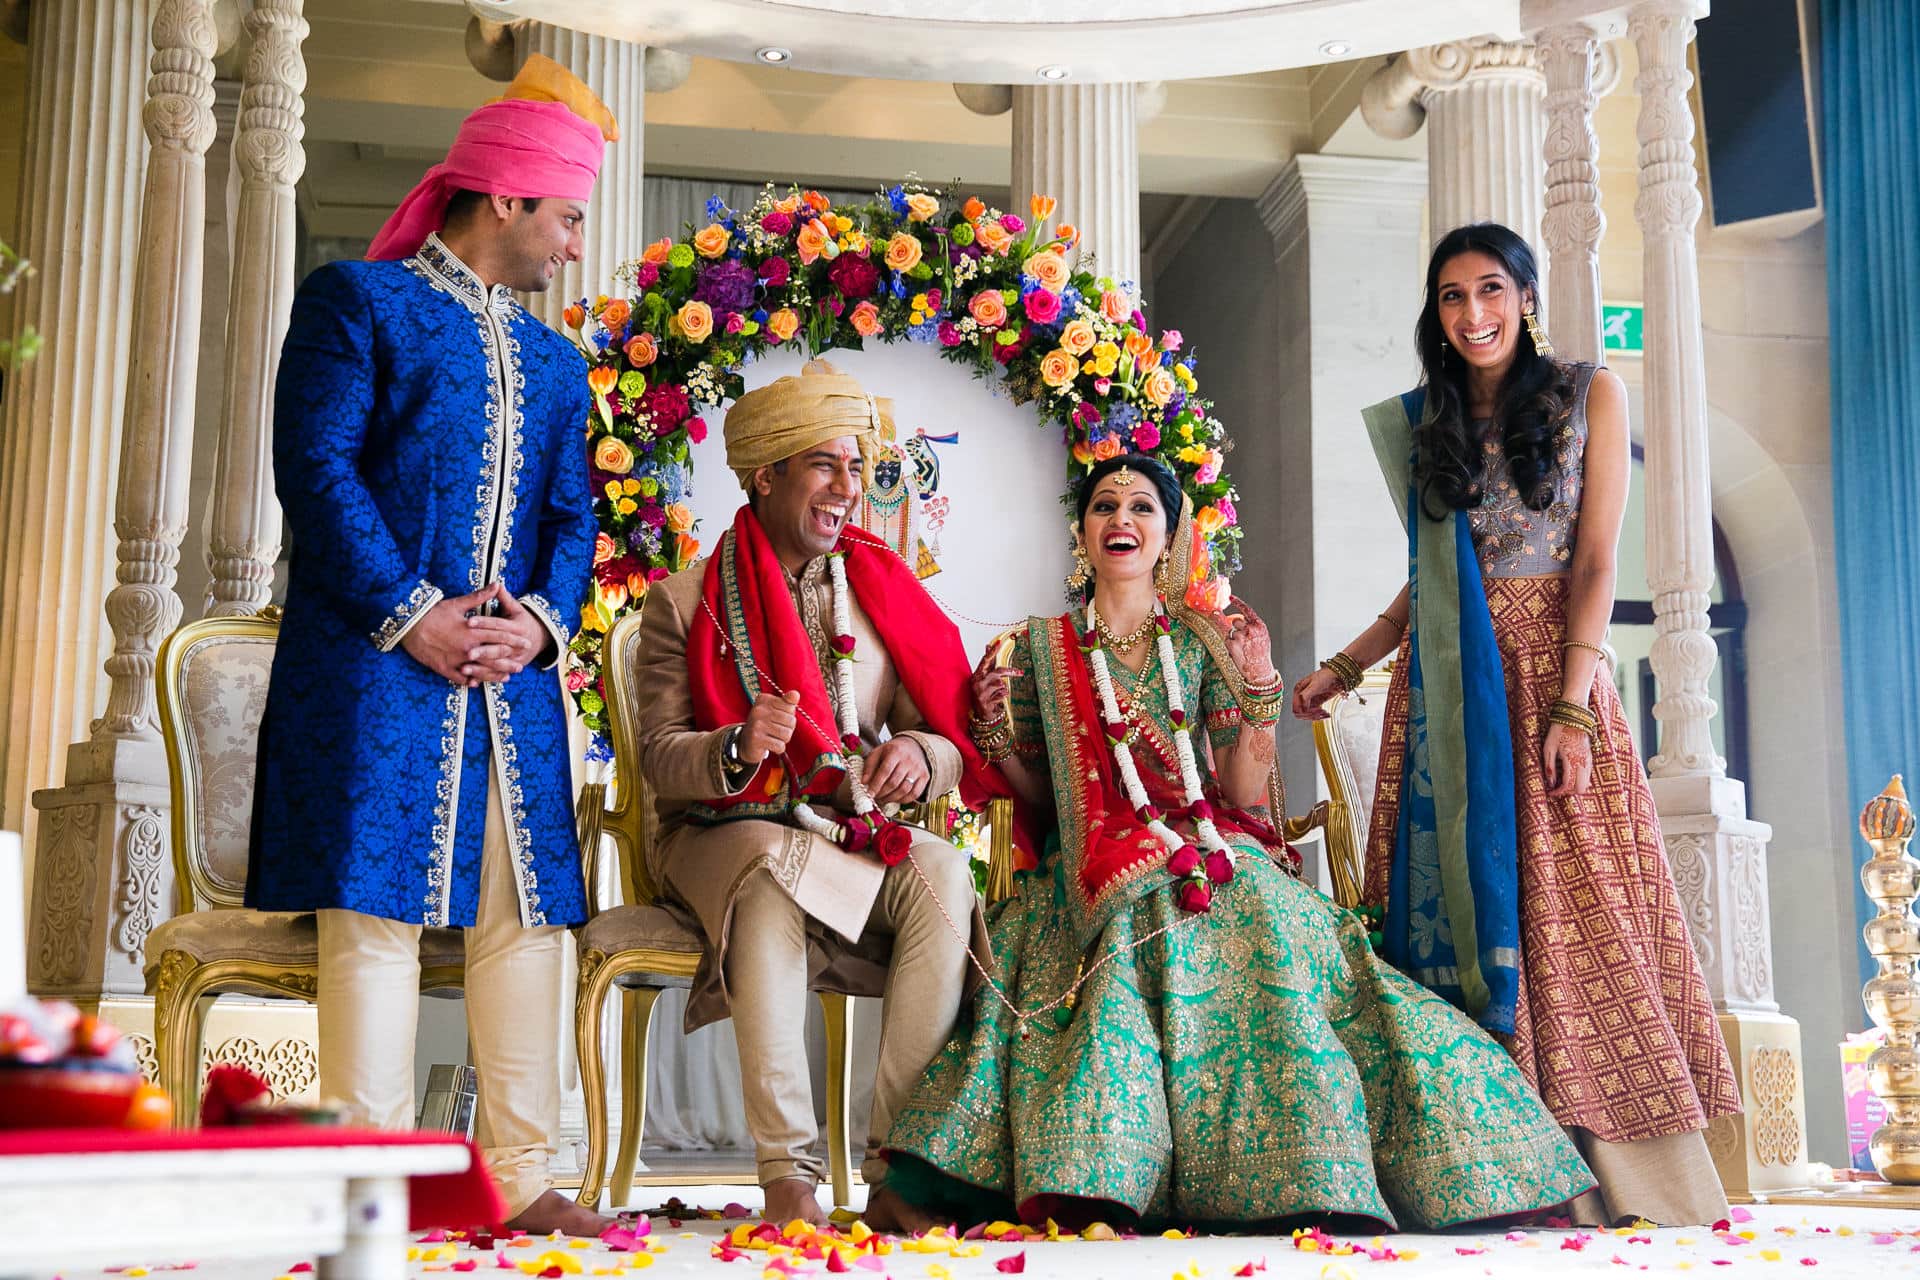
(903, 251)
(574, 316)
(812, 241)
(993, 237)
(788, 204)
(615, 314)
(1159, 386)
(783, 324)
(642, 350)
(865, 319)
(1138, 345)
(1077, 337)
(711, 240)
(656, 253)
(604, 548)
(972, 209)
(614, 455)
(695, 321)
(1042, 207)
(601, 379)
(1113, 305)
(679, 517)
(1058, 368)
(1108, 448)
(1049, 268)
(921, 207)
(816, 202)
(988, 308)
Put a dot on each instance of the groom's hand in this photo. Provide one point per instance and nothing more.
(768, 726)
(896, 771)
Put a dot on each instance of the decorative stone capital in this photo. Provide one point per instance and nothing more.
(491, 48)
(666, 70)
(1395, 100)
(985, 99)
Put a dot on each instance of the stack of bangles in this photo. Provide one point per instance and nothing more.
(1574, 716)
(1345, 670)
(1261, 704)
(994, 737)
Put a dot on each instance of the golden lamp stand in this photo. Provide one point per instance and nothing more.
(1892, 880)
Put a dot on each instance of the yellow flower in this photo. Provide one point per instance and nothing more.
(842, 224)
(695, 321)
(1158, 386)
(1194, 454)
(711, 240)
(903, 251)
(1049, 268)
(921, 207)
(1077, 337)
(1059, 368)
(1106, 358)
(613, 454)
(613, 490)
(1185, 375)
(626, 506)
(679, 517)
(630, 485)
(783, 324)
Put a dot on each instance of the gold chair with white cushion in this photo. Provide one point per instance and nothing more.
(1348, 743)
(212, 687)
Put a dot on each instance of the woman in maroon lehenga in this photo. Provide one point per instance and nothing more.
(1605, 1008)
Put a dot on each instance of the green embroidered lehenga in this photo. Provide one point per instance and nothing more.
(1257, 1062)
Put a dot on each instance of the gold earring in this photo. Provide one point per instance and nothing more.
(1082, 568)
(1536, 331)
(1160, 578)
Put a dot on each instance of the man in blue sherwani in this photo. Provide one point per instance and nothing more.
(414, 765)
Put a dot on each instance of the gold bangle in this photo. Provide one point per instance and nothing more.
(1396, 623)
(1582, 644)
(1345, 670)
(1574, 716)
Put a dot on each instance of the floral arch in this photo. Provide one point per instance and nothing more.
(983, 287)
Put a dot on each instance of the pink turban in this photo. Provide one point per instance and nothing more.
(511, 147)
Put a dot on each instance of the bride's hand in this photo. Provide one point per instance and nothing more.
(990, 686)
(1249, 644)
(1311, 695)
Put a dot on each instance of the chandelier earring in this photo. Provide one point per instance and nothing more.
(1082, 568)
(1538, 332)
(1161, 581)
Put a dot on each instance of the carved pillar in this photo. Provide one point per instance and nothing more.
(243, 517)
(1580, 69)
(103, 877)
(63, 411)
(1076, 143)
(1719, 856)
(617, 71)
(1482, 102)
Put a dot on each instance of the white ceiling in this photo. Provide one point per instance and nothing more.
(1008, 41)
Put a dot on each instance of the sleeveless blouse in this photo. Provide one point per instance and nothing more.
(1514, 540)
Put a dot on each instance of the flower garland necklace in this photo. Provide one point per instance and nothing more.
(868, 826)
(1196, 872)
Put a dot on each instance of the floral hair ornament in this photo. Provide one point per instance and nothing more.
(1123, 477)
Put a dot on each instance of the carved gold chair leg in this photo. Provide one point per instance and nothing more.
(636, 1017)
(596, 977)
(179, 1024)
(839, 1081)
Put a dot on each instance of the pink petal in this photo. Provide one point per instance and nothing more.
(1014, 1264)
(1741, 1215)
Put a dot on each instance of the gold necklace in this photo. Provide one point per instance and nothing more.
(1121, 644)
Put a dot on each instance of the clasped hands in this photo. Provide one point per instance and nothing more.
(457, 641)
(895, 772)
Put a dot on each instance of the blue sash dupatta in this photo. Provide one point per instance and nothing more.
(1453, 903)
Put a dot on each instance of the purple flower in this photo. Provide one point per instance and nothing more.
(726, 285)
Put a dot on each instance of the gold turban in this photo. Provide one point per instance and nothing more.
(792, 414)
(541, 79)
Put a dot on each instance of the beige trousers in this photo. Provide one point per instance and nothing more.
(766, 971)
(369, 1005)
(1669, 1180)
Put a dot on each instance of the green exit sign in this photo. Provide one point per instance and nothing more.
(1620, 328)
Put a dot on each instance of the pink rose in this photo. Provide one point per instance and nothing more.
(949, 334)
(1013, 223)
(735, 322)
(1170, 340)
(576, 680)
(1042, 306)
(1226, 509)
(777, 222)
(1146, 437)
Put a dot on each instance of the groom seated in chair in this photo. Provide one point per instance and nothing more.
(793, 690)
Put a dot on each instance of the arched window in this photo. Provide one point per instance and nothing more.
(1633, 633)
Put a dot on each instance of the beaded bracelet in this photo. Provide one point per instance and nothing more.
(1573, 716)
(1345, 670)
(1582, 644)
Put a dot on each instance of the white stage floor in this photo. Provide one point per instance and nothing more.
(1786, 1241)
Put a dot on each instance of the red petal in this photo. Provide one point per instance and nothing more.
(1012, 1265)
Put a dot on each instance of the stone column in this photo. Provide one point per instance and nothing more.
(1482, 102)
(243, 515)
(1719, 856)
(1580, 69)
(103, 877)
(1349, 264)
(617, 71)
(1076, 143)
(63, 411)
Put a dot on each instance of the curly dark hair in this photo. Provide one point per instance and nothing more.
(1534, 399)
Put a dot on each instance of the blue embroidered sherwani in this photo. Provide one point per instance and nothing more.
(428, 441)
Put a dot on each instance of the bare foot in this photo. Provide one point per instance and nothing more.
(790, 1198)
(556, 1212)
(887, 1210)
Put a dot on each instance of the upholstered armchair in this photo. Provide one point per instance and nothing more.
(212, 687)
(642, 948)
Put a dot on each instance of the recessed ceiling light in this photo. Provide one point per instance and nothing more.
(773, 54)
(1336, 48)
(1053, 71)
